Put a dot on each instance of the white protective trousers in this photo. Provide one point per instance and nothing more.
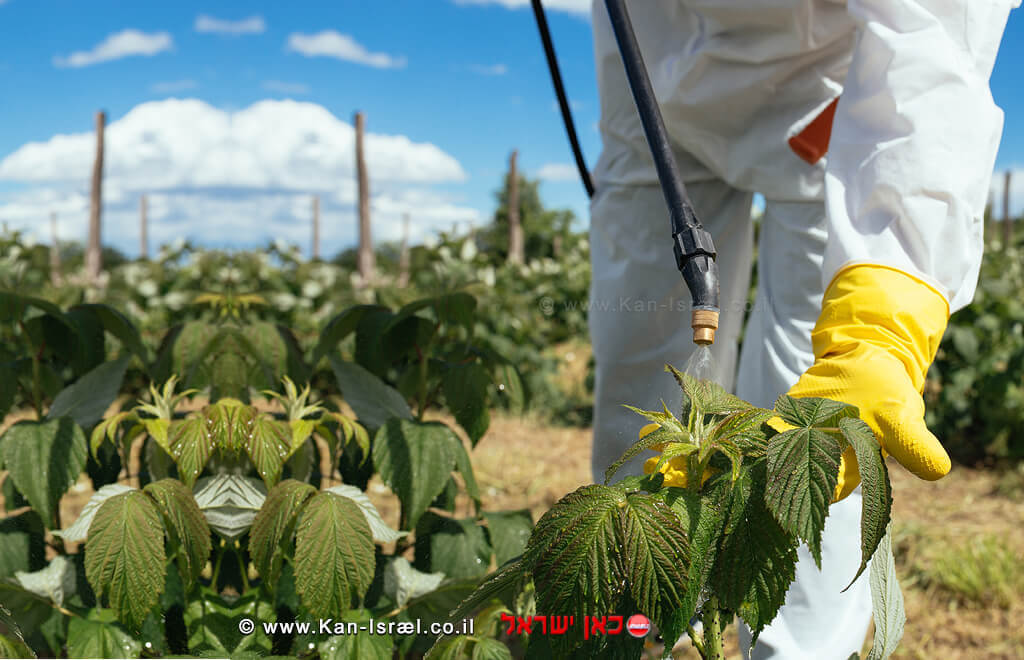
(913, 143)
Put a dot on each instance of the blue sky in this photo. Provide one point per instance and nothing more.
(464, 81)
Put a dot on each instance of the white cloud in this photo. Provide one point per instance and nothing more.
(251, 25)
(120, 44)
(558, 172)
(579, 7)
(283, 87)
(493, 70)
(331, 43)
(173, 86)
(230, 178)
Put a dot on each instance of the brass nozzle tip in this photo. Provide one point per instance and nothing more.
(704, 323)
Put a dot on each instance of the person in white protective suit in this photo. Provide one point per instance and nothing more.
(863, 252)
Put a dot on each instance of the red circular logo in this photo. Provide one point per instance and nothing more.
(638, 625)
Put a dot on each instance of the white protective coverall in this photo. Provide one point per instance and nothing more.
(913, 145)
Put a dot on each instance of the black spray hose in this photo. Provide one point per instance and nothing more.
(694, 250)
(563, 102)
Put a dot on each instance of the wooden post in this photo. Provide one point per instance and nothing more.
(403, 255)
(315, 252)
(93, 253)
(1007, 220)
(54, 251)
(364, 258)
(515, 230)
(143, 229)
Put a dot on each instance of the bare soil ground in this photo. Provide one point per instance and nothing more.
(522, 463)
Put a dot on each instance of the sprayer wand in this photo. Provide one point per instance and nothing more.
(692, 245)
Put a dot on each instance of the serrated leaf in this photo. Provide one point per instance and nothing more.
(301, 430)
(703, 519)
(402, 582)
(229, 503)
(79, 530)
(274, 523)
(124, 556)
(212, 624)
(746, 429)
(665, 419)
(456, 547)
(191, 444)
(334, 556)
(756, 559)
(810, 411)
(657, 437)
(97, 639)
(707, 396)
(509, 532)
(381, 531)
(876, 491)
(373, 400)
(597, 546)
(499, 583)
(186, 523)
(886, 601)
(803, 467)
(88, 398)
(21, 542)
(107, 430)
(465, 391)
(158, 429)
(44, 460)
(415, 460)
(338, 328)
(674, 450)
(268, 444)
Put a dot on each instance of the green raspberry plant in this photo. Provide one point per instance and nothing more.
(720, 547)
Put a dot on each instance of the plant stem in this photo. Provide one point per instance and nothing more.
(696, 640)
(712, 619)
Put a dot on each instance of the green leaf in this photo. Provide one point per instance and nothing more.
(465, 468)
(274, 524)
(381, 531)
(107, 430)
(657, 437)
(509, 532)
(465, 391)
(79, 530)
(191, 443)
(229, 502)
(486, 648)
(212, 624)
(510, 387)
(373, 400)
(334, 556)
(8, 390)
(876, 491)
(707, 396)
(88, 398)
(118, 325)
(498, 584)
(703, 519)
(803, 467)
(124, 556)
(338, 328)
(13, 306)
(745, 428)
(807, 412)
(21, 543)
(14, 647)
(186, 525)
(268, 443)
(44, 460)
(362, 644)
(415, 460)
(756, 559)
(886, 601)
(675, 450)
(270, 350)
(597, 548)
(665, 418)
(97, 639)
(456, 547)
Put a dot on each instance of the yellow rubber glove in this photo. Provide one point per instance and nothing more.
(877, 334)
(674, 469)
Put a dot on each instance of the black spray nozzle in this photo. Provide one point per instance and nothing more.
(695, 258)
